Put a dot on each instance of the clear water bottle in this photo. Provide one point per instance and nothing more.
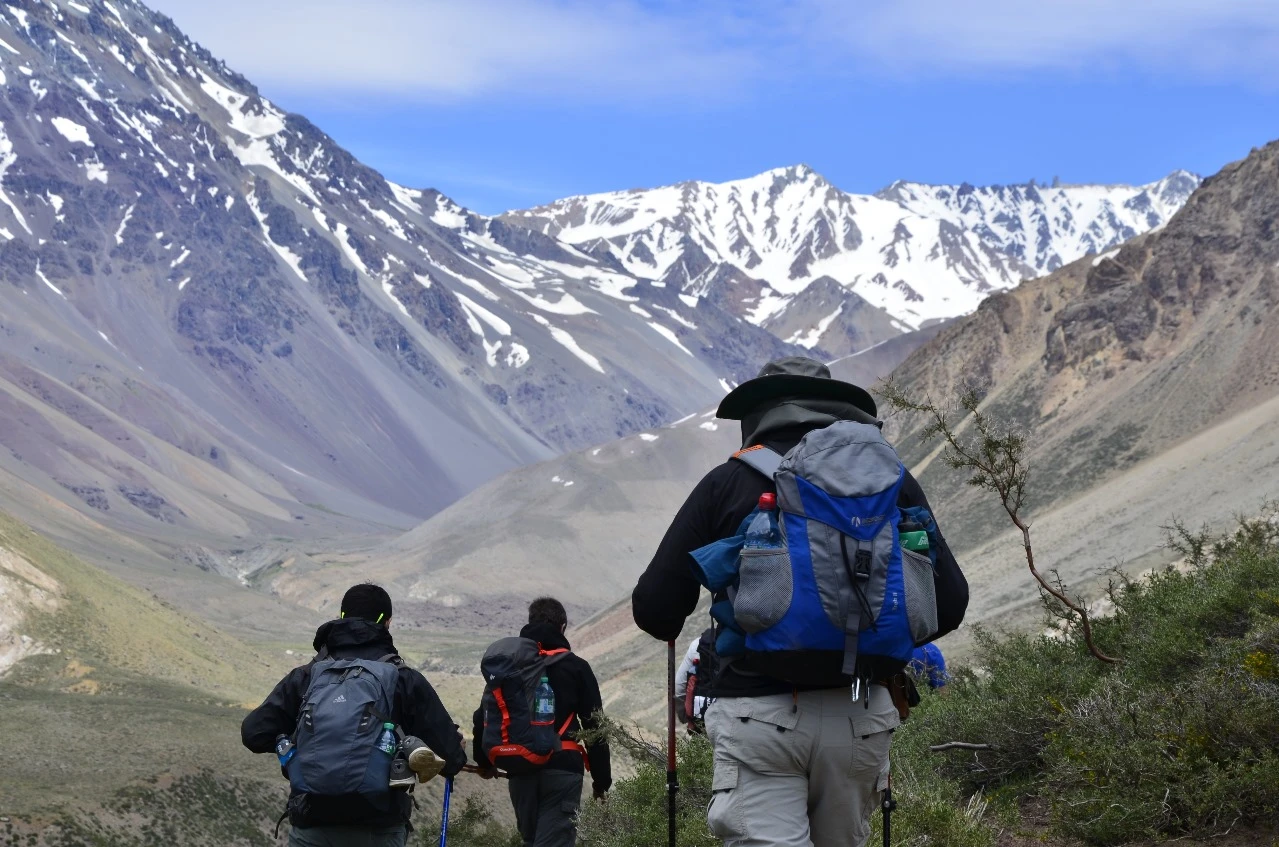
(386, 741)
(544, 702)
(284, 750)
(762, 531)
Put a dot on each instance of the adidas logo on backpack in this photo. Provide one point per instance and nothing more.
(341, 698)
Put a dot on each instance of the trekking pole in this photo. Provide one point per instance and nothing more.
(888, 805)
(672, 776)
(444, 819)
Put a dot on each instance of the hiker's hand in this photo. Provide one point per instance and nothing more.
(601, 794)
(486, 773)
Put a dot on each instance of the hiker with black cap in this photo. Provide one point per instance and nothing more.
(340, 722)
(817, 603)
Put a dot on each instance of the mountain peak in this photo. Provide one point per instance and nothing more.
(797, 173)
(918, 252)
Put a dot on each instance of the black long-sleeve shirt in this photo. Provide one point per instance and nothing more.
(667, 592)
(577, 692)
(417, 708)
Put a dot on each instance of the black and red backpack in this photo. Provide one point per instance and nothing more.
(512, 739)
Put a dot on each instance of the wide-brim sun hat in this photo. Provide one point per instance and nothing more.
(792, 377)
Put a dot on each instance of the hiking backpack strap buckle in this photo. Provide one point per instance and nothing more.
(858, 570)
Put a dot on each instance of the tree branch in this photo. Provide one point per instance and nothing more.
(995, 461)
(959, 745)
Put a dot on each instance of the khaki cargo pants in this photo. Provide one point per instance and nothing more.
(798, 771)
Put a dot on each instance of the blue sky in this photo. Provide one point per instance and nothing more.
(510, 103)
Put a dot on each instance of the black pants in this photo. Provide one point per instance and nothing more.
(546, 805)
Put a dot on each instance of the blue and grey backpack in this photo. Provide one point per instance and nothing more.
(840, 598)
(346, 704)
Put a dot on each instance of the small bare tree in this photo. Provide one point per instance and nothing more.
(995, 458)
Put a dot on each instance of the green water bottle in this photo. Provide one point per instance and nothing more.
(913, 537)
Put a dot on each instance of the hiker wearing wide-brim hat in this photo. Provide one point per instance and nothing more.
(795, 764)
(792, 378)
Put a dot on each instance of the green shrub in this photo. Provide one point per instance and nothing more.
(635, 814)
(1178, 739)
(471, 824)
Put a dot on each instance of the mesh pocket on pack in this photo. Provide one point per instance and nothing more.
(764, 588)
(921, 595)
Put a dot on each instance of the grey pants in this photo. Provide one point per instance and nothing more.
(348, 836)
(546, 805)
(798, 771)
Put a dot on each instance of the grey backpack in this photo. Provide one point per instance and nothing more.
(342, 717)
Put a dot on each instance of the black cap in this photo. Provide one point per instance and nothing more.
(793, 376)
(367, 601)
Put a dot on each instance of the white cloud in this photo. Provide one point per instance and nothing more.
(1232, 39)
(567, 49)
(623, 50)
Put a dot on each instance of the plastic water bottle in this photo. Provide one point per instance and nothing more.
(386, 741)
(762, 531)
(544, 702)
(284, 750)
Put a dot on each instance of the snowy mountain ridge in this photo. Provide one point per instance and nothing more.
(330, 337)
(920, 253)
(232, 284)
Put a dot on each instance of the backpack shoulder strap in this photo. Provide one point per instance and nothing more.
(763, 459)
(393, 659)
(550, 657)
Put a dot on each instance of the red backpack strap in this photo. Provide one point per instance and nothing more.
(504, 712)
(570, 744)
(552, 656)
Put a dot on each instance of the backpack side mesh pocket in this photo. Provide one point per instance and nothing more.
(921, 595)
(765, 587)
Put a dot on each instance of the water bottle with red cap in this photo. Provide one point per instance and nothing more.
(762, 530)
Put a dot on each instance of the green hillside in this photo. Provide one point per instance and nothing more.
(125, 707)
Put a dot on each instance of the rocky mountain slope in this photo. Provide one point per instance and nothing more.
(582, 525)
(218, 320)
(1147, 380)
(836, 271)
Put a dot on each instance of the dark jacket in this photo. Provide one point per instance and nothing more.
(577, 693)
(667, 591)
(417, 710)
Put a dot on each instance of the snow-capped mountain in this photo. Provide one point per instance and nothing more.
(910, 254)
(220, 277)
